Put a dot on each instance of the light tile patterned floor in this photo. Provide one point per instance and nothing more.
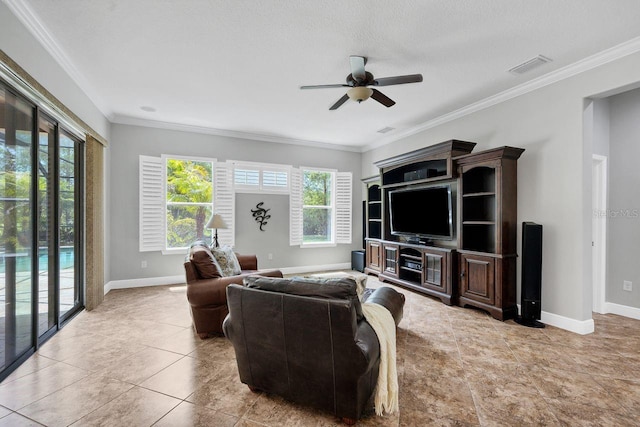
(135, 361)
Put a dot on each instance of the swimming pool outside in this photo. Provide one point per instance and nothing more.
(23, 259)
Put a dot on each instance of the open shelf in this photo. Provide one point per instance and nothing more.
(479, 202)
(479, 208)
(416, 171)
(375, 210)
(374, 194)
(479, 237)
(479, 180)
(410, 264)
(373, 214)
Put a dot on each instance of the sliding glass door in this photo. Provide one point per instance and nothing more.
(46, 157)
(40, 228)
(16, 228)
(69, 225)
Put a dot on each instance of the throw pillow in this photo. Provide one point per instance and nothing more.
(204, 262)
(227, 260)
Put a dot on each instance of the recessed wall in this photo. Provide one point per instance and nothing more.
(623, 214)
(129, 142)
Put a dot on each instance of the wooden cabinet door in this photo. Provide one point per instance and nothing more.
(390, 259)
(434, 271)
(374, 255)
(477, 278)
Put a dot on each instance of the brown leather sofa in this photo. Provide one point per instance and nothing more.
(307, 341)
(208, 298)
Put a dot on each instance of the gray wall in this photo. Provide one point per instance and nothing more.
(129, 142)
(623, 231)
(554, 173)
(274, 239)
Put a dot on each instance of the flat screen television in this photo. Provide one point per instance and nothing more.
(422, 212)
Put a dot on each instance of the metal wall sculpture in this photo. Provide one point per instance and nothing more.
(260, 214)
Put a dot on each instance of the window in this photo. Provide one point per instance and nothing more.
(246, 178)
(260, 178)
(178, 196)
(189, 200)
(320, 203)
(317, 207)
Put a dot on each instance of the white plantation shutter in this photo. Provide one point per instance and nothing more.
(152, 213)
(295, 208)
(224, 202)
(275, 180)
(246, 178)
(343, 207)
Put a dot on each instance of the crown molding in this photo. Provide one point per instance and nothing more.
(30, 20)
(601, 58)
(134, 121)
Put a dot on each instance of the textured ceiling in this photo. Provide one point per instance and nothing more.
(235, 67)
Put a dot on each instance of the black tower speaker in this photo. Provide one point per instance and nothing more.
(531, 292)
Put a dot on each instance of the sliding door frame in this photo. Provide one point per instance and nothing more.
(79, 265)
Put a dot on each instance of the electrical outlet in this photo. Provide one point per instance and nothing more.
(270, 256)
(627, 286)
(143, 264)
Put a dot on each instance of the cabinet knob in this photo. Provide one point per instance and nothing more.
(462, 273)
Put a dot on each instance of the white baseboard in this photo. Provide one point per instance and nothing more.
(621, 310)
(172, 280)
(582, 327)
(139, 283)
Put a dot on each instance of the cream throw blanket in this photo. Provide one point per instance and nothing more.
(386, 399)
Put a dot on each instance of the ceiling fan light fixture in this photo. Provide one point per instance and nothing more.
(359, 93)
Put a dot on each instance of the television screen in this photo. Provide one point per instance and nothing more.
(422, 212)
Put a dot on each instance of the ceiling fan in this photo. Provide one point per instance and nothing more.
(359, 81)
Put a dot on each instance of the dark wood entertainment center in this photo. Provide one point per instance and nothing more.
(478, 266)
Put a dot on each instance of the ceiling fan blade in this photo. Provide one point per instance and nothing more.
(357, 67)
(382, 98)
(398, 80)
(323, 86)
(340, 102)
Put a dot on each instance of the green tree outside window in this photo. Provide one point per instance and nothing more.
(189, 201)
(317, 209)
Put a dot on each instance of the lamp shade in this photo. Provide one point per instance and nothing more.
(359, 93)
(216, 221)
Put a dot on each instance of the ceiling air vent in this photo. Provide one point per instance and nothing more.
(530, 64)
(385, 130)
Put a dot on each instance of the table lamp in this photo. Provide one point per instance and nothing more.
(216, 222)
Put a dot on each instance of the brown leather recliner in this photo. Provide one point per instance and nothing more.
(208, 298)
(307, 341)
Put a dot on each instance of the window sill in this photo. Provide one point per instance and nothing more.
(317, 245)
(180, 251)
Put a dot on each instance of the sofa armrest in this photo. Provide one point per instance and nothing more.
(190, 272)
(389, 298)
(248, 262)
(206, 292)
(368, 343)
(210, 291)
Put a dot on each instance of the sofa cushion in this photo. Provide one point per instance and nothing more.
(331, 288)
(204, 262)
(227, 261)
